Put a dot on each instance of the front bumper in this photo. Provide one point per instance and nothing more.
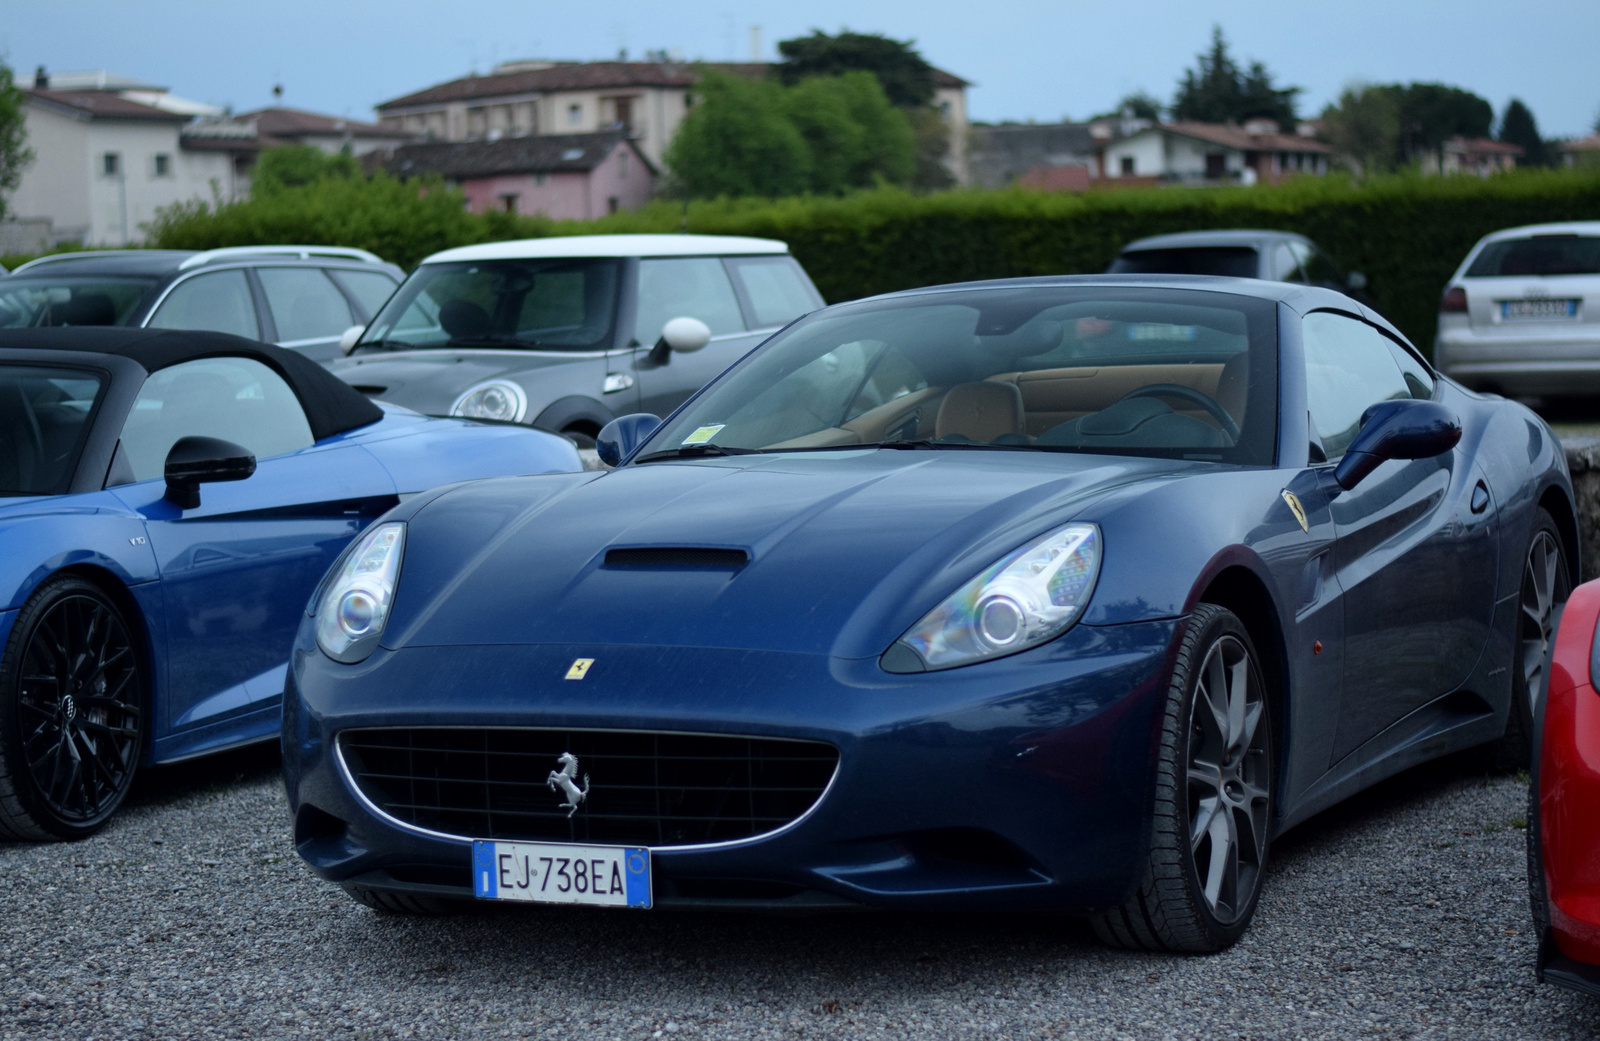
(1019, 783)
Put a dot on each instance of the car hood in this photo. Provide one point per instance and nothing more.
(430, 381)
(844, 550)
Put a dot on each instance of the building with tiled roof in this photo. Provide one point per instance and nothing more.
(332, 134)
(647, 98)
(1581, 151)
(1210, 153)
(565, 176)
(1472, 155)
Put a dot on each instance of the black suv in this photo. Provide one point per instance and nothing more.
(302, 297)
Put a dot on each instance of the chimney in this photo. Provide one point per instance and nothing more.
(41, 79)
(755, 43)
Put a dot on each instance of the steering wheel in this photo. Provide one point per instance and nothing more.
(1178, 390)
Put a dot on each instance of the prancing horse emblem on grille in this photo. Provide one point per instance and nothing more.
(565, 780)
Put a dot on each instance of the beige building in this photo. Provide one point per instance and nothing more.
(647, 98)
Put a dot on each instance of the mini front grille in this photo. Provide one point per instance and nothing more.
(661, 558)
(649, 789)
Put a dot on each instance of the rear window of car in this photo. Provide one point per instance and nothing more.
(1538, 255)
(774, 288)
(1231, 261)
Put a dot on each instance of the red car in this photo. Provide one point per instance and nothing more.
(1563, 825)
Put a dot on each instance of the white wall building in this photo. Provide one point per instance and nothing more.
(1211, 153)
(103, 165)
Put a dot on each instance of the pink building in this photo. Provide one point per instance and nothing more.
(565, 176)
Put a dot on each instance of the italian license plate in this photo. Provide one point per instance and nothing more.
(561, 873)
(1541, 308)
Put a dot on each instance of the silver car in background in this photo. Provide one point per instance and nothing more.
(1521, 315)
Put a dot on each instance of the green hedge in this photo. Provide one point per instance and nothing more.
(1407, 233)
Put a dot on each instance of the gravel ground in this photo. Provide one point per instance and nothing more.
(1399, 915)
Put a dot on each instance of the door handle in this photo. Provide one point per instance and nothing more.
(1480, 498)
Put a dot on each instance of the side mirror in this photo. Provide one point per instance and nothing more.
(684, 335)
(1356, 280)
(1403, 429)
(194, 461)
(347, 340)
(618, 438)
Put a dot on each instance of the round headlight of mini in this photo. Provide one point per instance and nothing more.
(496, 399)
(354, 603)
(1026, 598)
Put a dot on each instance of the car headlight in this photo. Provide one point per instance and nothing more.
(353, 606)
(1026, 598)
(496, 399)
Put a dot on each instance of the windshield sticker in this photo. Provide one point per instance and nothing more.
(704, 434)
(1161, 331)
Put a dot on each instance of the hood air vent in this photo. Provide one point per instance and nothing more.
(677, 558)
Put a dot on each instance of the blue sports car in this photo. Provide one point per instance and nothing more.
(168, 501)
(1063, 594)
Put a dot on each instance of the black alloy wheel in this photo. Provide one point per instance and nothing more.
(1546, 584)
(1213, 807)
(72, 713)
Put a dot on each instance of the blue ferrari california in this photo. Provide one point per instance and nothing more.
(1063, 594)
(168, 501)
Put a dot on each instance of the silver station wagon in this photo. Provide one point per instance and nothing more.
(1521, 315)
(569, 333)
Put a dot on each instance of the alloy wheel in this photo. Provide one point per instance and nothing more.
(78, 706)
(1543, 579)
(1228, 771)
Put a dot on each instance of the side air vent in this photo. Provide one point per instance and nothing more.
(677, 558)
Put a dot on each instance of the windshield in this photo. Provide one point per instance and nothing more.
(44, 421)
(1232, 261)
(555, 303)
(1154, 372)
(26, 301)
(1538, 256)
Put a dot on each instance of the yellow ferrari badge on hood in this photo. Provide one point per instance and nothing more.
(580, 668)
(1294, 505)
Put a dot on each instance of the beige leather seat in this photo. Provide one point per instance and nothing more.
(981, 411)
(1233, 386)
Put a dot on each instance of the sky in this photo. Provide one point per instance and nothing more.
(1043, 60)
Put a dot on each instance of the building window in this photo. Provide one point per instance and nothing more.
(540, 178)
(574, 115)
(622, 165)
(613, 204)
(111, 164)
(1127, 166)
(162, 166)
(508, 201)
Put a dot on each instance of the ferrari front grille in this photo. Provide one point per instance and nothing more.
(637, 788)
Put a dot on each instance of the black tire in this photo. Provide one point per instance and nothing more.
(410, 905)
(580, 437)
(1544, 560)
(1180, 904)
(73, 709)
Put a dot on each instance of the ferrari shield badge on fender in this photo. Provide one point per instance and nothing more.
(1288, 497)
(580, 666)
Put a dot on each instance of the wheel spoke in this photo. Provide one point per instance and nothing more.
(1204, 817)
(1220, 832)
(1215, 685)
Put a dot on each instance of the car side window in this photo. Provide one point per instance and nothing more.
(1318, 268)
(774, 289)
(305, 304)
(218, 301)
(1418, 379)
(236, 399)
(370, 289)
(1288, 262)
(693, 287)
(1349, 368)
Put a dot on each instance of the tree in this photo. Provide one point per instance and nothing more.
(14, 151)
(906, 78)
(855, 136)
(293, 166)
(738, 139)
(1518, 127)
(1139, 105)
(1364, 127)
(1433, 113)
(1217, 90)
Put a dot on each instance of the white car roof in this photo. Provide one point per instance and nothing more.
(1578, 227)
(611, 246)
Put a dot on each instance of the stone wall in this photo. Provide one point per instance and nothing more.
(1583, 459)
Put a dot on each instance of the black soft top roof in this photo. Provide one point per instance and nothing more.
(331, 405)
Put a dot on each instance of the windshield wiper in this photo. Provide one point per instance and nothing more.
(493, 341)
(387, 345)
(696, 452)
(924, 443)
